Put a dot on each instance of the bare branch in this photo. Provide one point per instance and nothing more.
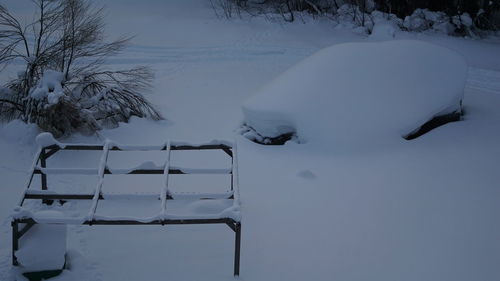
(14, 104)
(68, 37)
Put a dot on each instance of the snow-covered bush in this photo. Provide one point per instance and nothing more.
(385, 25)
(63, 87)
(360, 92)
(286, 9)
(423, 19)
(484, 13)
(464, 24)
(351, 15)
(363, 15)
(488, 19)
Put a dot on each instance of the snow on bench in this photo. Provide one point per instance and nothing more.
(41, 206)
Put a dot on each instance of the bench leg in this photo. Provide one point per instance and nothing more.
(237, 244)
(43, 164)
(15, 242)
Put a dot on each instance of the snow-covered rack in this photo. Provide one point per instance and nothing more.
(24, 217)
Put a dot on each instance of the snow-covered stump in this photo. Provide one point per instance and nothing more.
(39, 249)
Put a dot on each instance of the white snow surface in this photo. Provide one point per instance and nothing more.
(43, 247)
(46, 139)
(425, 209)
(360, 92)
(384, 30)
(49, 87)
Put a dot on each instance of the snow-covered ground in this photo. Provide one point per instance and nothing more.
(426, 209)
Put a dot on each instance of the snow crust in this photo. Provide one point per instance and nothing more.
(360, 91)
(44, 246)
(47, 139)
(148, 165)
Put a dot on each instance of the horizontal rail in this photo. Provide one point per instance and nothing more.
(135, 222)
(51, 195)
(61, 196)
(172, 196)
(201, 196)
(160, 222)
(65, 171)
(140, 148)
(171, 171)
(93, 171)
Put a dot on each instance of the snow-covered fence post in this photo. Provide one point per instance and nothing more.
(100, 177)
(164, 192)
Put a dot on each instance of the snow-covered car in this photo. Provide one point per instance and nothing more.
(353, 92)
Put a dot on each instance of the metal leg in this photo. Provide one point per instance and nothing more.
(43, 164)
(15, 242)
(237, 244)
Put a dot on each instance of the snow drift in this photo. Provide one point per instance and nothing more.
(356, 92)
(44, 246)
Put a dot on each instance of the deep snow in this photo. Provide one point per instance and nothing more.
(425, 209)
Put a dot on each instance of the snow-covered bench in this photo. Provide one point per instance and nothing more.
(43, 210)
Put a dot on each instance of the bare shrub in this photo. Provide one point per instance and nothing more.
(64, 87)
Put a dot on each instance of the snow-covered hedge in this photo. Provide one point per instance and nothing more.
(363, 15)
(356, 92)
(420, 20)
(423, 19)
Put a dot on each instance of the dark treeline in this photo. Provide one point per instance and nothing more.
(485, 13)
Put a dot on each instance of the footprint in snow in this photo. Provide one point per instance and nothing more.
(306, 174)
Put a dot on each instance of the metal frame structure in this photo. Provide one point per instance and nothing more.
(21, 225)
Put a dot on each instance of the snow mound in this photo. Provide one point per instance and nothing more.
(16, 131)
(46, 139)
(306, 174)
(384, 31)
(43, 247)
(360, 92)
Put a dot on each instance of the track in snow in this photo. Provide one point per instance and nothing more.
(484, 80)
